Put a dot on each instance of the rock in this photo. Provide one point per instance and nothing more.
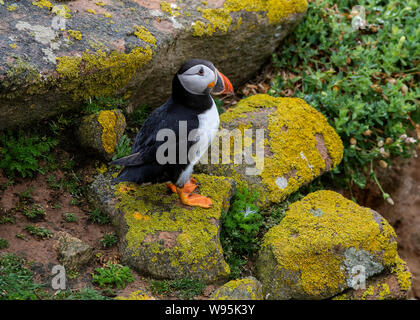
(243, 289)
(72, 252)
(381, 287)
(136, 295)
(102, 132)
(159, 236)
(299, 145)
(55, 55)
(324, 245)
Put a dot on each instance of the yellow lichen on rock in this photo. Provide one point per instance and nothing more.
(182, 238)
(220, 18)
(75, 34)
(172, 10)
(316, 241)
(240, 289)
(43, 4)
(111, 121)
(142, 33)
(136, 295)
(99, 73)
(300, 144)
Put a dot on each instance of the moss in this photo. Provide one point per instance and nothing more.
(13, 45)
(100, 74)
(107, 15)
(91, 11)
(293, 150)
(75, 34)
(100, 3)
(306, 244)
(111, 122)
(195, 247)
(143, 34)
(220, 18)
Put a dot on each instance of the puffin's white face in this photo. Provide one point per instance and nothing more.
(198, 79)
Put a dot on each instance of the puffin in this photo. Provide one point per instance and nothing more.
(175, 135)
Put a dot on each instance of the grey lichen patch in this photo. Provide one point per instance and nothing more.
(316, 212)
(43, 35)
(360, 261)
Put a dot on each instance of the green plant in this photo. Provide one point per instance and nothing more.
(113, 275)
(70, 217)
(103, 103)
(123, 148)
(138, 116)
(16, 281)
(3, 243)
(53, 183)
(240, 225)
(34, 212)
(26, 194)
(183, 288)
(20, 236)
(41, 232)
(97, 216)
(365, 81)
(20, 153)
(80, 294)
(109, 240)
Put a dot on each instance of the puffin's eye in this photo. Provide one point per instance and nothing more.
(201, 72)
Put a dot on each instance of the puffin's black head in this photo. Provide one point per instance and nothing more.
(200, 77)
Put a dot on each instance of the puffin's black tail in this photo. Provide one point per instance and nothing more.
(130, 174)
(131, 160)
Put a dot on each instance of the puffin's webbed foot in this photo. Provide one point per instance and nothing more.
(188, 198)
(189, 186)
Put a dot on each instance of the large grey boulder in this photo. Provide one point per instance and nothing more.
(55, 54)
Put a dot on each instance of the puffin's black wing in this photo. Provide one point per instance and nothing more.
(145, 145)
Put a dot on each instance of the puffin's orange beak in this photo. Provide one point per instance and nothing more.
(223, 84)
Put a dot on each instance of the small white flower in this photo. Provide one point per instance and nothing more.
(403, 136)
(380, 143)
(249, 211)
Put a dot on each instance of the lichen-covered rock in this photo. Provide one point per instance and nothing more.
(102, 132)
(72, 252)
(136, 295)
(382, 287)
(161, 237)
(322, 245)
(243, 289)
(299, 145)
(54, 55)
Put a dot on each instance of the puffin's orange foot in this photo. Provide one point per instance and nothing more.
(189, 186)
(194, 199)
